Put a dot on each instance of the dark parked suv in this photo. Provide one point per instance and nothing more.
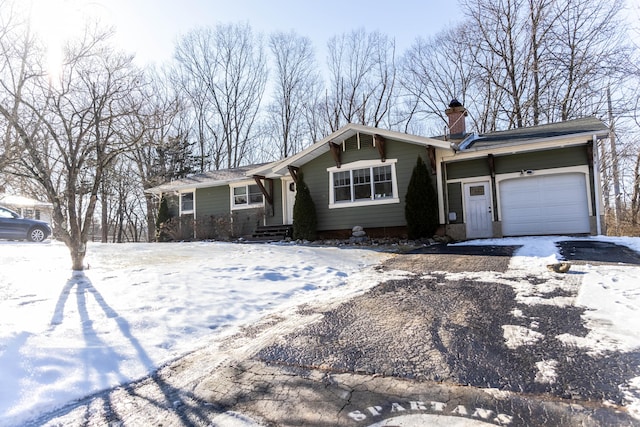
(13, 226)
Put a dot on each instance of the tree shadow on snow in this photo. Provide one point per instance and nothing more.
(97, 353)
(97, 350)
(11, 361)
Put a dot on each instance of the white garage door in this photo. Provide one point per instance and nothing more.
(548, 204)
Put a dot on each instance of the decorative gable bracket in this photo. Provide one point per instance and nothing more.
(431, 153)
(380, 142)
(492, 165)
(293, 171)
(268, 195)
(590, 155)
(335, 153)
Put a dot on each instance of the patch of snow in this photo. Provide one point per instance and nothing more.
(544, 291)
(516, 336)
(517, 313)
(611, 297)
(631, 392)
(234, 419)
(547, 371)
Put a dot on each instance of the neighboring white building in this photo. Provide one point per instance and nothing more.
(28, 208)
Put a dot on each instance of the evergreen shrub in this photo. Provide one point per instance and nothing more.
(421, 203)
(305, 222)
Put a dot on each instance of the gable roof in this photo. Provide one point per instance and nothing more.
(580, 129)
(23, 202)
(321, 147)
(587, 126)
(205, 179)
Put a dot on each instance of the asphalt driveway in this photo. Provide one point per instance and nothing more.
(597, 252)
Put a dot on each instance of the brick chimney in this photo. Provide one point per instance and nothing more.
(456, 113)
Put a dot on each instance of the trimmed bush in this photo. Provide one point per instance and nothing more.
(421, 203)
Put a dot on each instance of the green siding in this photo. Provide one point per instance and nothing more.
(468, 168)
(276, 218)
(216, 202)
(350, 144)
(372, 216)
(454, 192)
(547, 159)
(245, 221)
(213, 201)
(535, 160)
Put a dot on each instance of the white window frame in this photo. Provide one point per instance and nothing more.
(363, 164)
(248, 205)
(193, 207)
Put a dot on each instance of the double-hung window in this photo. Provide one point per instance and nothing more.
(187, 202)
(363, 183)
(246, 196)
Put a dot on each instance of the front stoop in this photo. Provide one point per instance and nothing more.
(271, 233)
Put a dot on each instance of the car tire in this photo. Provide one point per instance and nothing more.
(37, 234)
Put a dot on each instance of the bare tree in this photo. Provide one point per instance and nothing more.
(127, 210)
(199, 118)
(433, 72)
(17, 49)
(589, 75)
(589, 53)
(547, 60)
(635, 118)
(503, 36)
(296, 77)
(163, 151)
(69, 129)
(228, 66)
(362, 72)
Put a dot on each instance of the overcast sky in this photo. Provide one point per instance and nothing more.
(150, 27)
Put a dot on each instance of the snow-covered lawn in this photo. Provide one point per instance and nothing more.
(64, 336)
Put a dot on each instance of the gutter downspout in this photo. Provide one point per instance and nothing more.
(596, 179)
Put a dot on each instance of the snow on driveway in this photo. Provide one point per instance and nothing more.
(609, 295)
(64, 336)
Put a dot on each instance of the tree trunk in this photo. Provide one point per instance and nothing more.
(615, 172)
(151, 218)
(105, 214)
(78, 251)
(635, 199)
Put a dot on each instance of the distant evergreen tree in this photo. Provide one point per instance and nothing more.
(163, 216)
(305, 221)
(421, 203)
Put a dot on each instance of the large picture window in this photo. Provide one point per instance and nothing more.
(246, 196)
(363, 183)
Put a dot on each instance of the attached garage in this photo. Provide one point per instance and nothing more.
(544, 204)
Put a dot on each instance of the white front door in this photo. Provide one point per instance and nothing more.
(478, 210)
(289, 199)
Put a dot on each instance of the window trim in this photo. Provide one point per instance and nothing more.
(193, 208)
(248, 205)
(363, 164)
